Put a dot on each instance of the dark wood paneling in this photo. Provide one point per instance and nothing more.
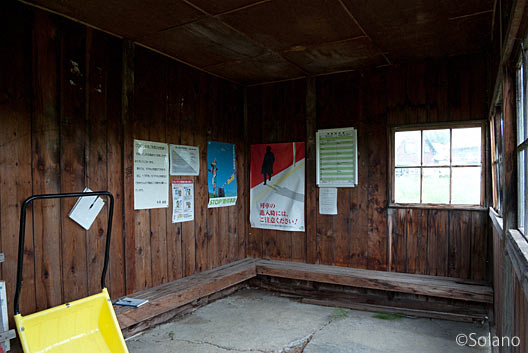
(366, 233)
(15, 149)
(70, 106)
(73, 142)
(510, 301)
(115, 158)
(440, 242)
(46, 162)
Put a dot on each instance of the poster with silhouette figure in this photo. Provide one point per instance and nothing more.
(277, 186)
(221, 174)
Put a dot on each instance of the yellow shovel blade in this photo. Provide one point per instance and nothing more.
(87, 325)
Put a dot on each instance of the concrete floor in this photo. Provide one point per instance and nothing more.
(258, 321)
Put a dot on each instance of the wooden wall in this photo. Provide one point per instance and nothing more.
(366, 233)
(511, 293)
(510, 248)
(68, 120)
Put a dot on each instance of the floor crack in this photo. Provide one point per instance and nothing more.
(222, 347)
(298, 346)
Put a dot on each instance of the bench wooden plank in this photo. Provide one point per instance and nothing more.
(443, 287)
(171, 295)
(167, 297)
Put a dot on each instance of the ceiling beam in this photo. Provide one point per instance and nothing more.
(382, 53)
(242, 8)
(187, 64)
(470, 15)
(246, 36)
(495, 4)
(28, 3)
(302, 47)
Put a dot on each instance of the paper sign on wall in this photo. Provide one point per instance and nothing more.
(86, 210)
(336, 157)
(328, 201)
(182, 201)
(151, 175)
(184, 160)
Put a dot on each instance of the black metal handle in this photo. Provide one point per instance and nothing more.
(23, 232)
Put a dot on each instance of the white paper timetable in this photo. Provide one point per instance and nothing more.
(336, 157)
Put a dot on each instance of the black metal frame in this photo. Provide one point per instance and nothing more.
(23, 232)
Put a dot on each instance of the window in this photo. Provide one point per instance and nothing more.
(522, 143)
(440, 165)
(497, 164)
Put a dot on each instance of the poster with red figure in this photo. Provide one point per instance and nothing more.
(277, 186)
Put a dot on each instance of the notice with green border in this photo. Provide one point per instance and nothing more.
(336, 157)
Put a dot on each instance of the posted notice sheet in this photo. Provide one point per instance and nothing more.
(182, 201)
(151, 175)
(328, 200)
(185, 160)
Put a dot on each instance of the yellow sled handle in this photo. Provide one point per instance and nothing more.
(23, 232)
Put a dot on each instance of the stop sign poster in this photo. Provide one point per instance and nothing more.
(277, 186)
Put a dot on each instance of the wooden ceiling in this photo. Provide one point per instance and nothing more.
(255, 41)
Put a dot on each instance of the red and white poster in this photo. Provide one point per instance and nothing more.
(277, 186)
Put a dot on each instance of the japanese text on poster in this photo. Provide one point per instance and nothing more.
(277, 186)
(182, 201)
(151, 175)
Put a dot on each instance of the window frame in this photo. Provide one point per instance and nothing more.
(497, 159)
(521, 143)
(483, 124)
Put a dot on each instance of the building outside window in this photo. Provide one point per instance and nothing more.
(438, 165)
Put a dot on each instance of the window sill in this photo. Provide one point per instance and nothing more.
(439, 207)
(497, 221)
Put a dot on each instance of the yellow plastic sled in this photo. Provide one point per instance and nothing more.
(87, 325)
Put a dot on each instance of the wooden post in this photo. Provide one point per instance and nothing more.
(127, 103)
(311, 207)
(510, 166)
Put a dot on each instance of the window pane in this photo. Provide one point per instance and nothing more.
(435, 185)
(521, 188)
(466, 146)
(436, 147)
(466, 186)
(499, 188)
(407, 187)
(525, 178)
(407, 148)
(520, 105)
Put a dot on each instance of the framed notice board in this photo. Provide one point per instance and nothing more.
(336, 157)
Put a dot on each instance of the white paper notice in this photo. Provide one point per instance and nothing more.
(182, 201)
(185, 160)
(151, 175)
(86, 209)
(328, 200)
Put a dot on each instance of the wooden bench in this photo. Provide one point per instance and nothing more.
(166, 298)
(432, 286)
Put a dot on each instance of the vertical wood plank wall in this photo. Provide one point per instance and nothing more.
(366, 233)
(510, 295)
(62, 128)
